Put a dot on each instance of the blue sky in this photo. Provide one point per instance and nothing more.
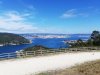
(49, 16)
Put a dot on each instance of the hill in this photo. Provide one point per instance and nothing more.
(12, 39)
(35, 48)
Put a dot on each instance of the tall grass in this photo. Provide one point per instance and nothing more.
(88, 68)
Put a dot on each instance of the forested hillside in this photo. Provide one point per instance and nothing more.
(9, 39)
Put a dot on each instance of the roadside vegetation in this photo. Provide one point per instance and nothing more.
(88, 68)
(94, 40)
(36, 47)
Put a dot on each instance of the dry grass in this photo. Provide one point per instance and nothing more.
(88, 68)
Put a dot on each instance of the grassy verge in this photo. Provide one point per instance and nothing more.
(88, 68)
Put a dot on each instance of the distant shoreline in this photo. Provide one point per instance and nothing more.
(1, 45)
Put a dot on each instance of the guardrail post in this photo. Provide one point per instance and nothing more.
(8, 55)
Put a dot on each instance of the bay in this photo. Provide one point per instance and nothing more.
(48, 42)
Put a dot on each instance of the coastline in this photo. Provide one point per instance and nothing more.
(11, 44)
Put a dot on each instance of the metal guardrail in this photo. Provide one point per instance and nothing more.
(20, 54)
(8, 55)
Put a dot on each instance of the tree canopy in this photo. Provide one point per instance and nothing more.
(94, 40)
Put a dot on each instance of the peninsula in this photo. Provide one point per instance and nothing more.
(12, 39)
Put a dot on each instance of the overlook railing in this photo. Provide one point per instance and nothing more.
(8, 55)
(22, 54)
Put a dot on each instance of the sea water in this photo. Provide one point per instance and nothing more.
(48, 42)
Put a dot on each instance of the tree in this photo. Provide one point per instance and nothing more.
(94, 40)
(95, 37)
(89, 42)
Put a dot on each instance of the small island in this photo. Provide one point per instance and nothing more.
(12, 39)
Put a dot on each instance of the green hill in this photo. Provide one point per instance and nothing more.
(35, 48)
(11, 39)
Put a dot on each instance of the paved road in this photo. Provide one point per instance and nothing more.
(40, 64)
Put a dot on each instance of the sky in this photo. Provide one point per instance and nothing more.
(49, 16)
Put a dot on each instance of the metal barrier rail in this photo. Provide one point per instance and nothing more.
(20, 54)
(7, 55)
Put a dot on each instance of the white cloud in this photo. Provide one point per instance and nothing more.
(73, 13)
(13, 16)
(15, 22)
(69, 14)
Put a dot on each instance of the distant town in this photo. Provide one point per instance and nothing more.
(45, 36)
